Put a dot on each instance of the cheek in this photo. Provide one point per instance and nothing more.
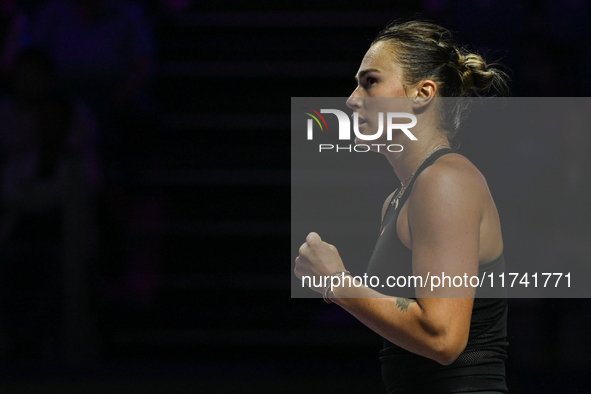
(371, 128)
(397, 91)
(374, 111)
(394, 88)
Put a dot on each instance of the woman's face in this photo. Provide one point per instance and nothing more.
(379, 76)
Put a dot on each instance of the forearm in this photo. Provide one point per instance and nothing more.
(435, 327)
(402, 321)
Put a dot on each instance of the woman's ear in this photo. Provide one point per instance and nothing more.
(425, 92)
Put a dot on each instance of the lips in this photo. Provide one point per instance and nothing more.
(361, 120)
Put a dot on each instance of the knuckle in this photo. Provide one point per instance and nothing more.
(302, 251)
(303, 248)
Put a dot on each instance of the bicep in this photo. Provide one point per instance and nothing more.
(444, 221)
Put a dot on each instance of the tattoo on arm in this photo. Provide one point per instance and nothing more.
(403, 303)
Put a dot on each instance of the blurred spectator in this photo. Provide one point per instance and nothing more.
(102, 49)
(13, 25)
(48, 173)
(563, 191)
(560, 218)
(171, 7)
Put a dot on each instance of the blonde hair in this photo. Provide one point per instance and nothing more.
(425, 50)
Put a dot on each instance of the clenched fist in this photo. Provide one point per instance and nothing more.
(317, 259)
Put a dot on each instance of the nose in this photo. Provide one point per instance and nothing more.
(355, 99)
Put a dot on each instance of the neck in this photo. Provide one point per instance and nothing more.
(405, 163)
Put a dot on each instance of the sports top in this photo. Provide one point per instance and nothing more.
(481, 366)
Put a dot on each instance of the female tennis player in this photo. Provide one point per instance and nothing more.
(441, 220)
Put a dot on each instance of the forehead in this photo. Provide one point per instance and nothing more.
(380, 57)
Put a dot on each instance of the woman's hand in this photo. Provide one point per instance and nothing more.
(317, 258)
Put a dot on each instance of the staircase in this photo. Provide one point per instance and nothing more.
(225, 81)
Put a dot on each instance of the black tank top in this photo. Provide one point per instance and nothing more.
(481, 366)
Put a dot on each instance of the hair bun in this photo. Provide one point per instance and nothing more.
(424, 50)
(477, 75)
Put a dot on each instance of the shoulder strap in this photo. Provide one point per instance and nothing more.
(436, 155)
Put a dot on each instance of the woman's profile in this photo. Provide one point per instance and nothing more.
(442, 218)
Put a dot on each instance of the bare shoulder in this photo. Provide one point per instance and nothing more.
(449, 189)
(451, 212)
(451, 175)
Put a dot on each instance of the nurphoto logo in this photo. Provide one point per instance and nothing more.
(345, 129)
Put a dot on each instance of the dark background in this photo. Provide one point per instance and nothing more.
(184, 287)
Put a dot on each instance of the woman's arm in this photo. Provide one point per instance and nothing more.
(444, 219)
(436, 328)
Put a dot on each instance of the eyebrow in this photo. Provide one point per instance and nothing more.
(363, 72)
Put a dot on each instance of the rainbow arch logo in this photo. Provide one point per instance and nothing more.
(316, 118)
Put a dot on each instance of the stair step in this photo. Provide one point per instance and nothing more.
(254, 338)
(218, 176)
(283, 19)
(206, 253)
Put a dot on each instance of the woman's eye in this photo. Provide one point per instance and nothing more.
(370, 81)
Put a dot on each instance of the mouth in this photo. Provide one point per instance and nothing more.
(359, 118)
